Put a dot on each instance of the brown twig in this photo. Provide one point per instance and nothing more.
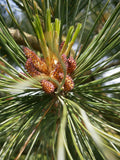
(32, 40)
(34, 130)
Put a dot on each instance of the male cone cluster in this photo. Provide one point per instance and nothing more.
(36, 66)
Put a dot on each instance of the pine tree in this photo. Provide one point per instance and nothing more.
(55, 102)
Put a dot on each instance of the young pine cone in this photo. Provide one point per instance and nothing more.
(59, 67)
(69, 84)
(71, 65)
(28, 53)
(31, 69)
(39, 64)
(48, 86)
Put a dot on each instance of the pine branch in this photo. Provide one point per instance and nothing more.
(32, 40)
(72, 113)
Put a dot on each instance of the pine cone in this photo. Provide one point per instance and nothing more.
(28, 53)
(31, 69)
(69, 84)
(39, 64)
(71, 65)
(48, 86)
(59, 67)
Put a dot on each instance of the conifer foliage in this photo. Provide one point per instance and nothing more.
(58, 103)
